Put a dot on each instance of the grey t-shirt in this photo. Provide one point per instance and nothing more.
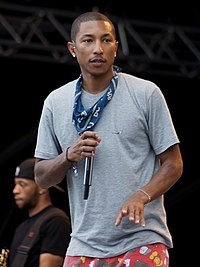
(135, 126)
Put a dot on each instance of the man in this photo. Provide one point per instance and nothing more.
(49, 247)
(120, 125)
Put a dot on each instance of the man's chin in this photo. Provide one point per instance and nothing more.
(20, 204)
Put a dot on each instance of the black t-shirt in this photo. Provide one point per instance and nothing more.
(54, 237)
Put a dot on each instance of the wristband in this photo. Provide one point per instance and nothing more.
(70, 161)
(144, 192)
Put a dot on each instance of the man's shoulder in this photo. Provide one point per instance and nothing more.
(53, 217)
(63, 92)
(135, 79)
(53, 211)
(66, 87)
(140, 87)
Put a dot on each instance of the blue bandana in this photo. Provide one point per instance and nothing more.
(86, 119)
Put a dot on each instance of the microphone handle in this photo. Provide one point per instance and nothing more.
(88, 175)
(86, 192)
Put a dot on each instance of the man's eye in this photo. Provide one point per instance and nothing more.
(107, 40)
(88, 41)
(22, 184)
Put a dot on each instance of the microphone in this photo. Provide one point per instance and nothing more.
(88, 175)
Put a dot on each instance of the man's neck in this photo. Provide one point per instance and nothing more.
(38, 208)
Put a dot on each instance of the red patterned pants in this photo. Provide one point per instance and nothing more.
(144, 256)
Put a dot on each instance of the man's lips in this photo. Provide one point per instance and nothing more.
(97, 60)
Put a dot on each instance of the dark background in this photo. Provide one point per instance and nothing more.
(25, 84)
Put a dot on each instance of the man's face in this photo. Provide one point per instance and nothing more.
(95, 47)
(25, 193)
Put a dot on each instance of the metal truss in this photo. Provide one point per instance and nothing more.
(41, 34)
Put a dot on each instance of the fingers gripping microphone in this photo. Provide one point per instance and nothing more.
(88, 175)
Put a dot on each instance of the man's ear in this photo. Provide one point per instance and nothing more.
(71, 47)
(42, 191)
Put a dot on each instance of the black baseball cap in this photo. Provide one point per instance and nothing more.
(25, 169)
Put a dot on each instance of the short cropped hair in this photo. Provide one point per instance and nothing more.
(89, 16)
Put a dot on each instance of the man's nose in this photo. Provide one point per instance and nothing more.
(98, 47)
